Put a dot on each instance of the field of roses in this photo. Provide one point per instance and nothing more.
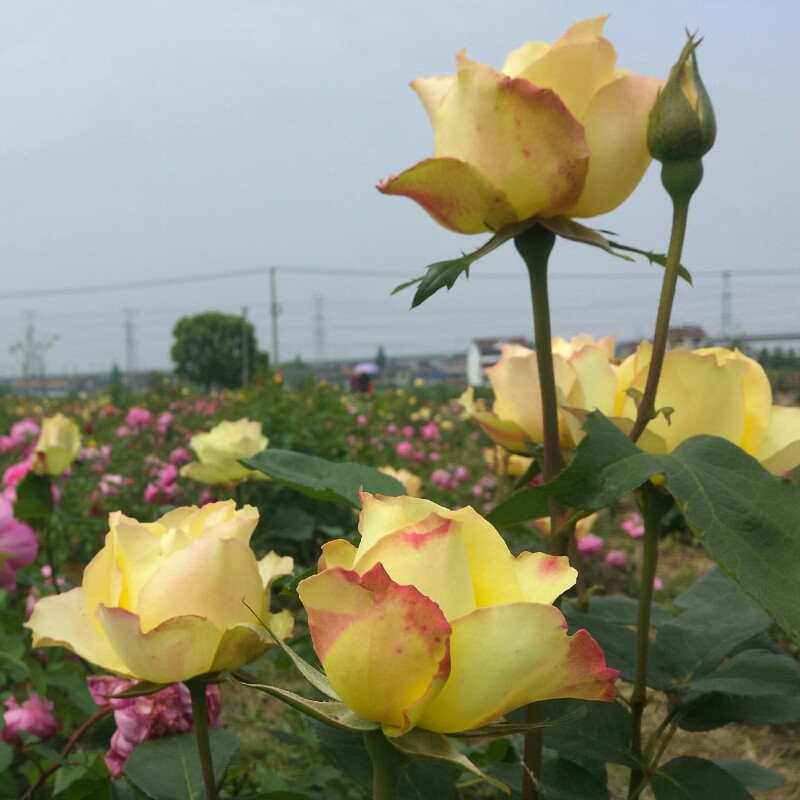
(130, 460)
(543, 591)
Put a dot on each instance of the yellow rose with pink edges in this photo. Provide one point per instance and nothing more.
(431, 622)
(559, 130)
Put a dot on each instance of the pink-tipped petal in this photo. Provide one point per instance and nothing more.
(384, 647)
(455, 194)
(543, 577)
(525, 650)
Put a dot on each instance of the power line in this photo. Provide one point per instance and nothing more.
(255, 271)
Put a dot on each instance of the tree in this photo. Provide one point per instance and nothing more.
(208, 349)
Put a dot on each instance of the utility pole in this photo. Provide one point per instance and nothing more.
(726, 323)
(130, 343)
(31, 351)
(245, 353)
(274, 310)
(319, 329)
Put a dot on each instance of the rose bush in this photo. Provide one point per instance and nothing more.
(558, 131)
(432, 622)
(168, 600)
(59, 443)
(219, 451)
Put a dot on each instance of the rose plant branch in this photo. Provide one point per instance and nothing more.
(68, 747)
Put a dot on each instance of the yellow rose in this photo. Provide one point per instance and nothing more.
(220, 449)
(713, 391)
(585, 380)
(411, 483)
(431, 621)
(168, 600)
(558, 131)
(59, 443)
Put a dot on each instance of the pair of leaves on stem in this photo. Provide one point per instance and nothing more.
(444, 274)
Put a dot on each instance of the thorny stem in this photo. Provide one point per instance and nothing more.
(71, 742)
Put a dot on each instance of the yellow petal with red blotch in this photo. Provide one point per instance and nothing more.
(431, 91)
(575, 69)
(491, 565)
(520, 137)
(384, 647)
(176, 650)
(213, 578)
(504, 657)
(780, 450)
(64, 620)
(429, 555)
(543, 577)
(455, 194)
(338, 553)
(616, 132)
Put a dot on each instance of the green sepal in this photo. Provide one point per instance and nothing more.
(139, 689)
(436, 747)
(332, 712)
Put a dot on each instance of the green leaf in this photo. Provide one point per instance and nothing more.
(6, 756)
(292, 524)
(752, 673)
(625, 610)
(602, 733)
(524, 505)
(436, 747)
(713, 710)
(445, 273)
(419, 780)
(690, 778)
(565, 780)
(321, 479)
(719, 616)
(618, 642)
(748, 519)
(169, 768)
(752, 776)
(34, 503)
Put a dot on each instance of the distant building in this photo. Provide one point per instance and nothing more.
(688, 337)
(482, 353)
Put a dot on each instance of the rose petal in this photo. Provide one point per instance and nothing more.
(383, 646)
(520, 137)
(64, 620)
(455, 194)
(222, 569)
(180, 648)
(543, 577)
(780, 450)
(430, 556)
(431, 92)
(576, 67)
(616, 132)
(506, 656)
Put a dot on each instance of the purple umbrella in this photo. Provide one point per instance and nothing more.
(366, 368)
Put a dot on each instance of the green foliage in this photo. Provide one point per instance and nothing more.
(169, 768)
(209, 349)
(321, 479)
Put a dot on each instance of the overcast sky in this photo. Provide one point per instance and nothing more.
(178, 150)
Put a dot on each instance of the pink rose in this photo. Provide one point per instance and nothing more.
(616, 559)
(33, 715)
(589, 545)
(18, 545)
(139, 417)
